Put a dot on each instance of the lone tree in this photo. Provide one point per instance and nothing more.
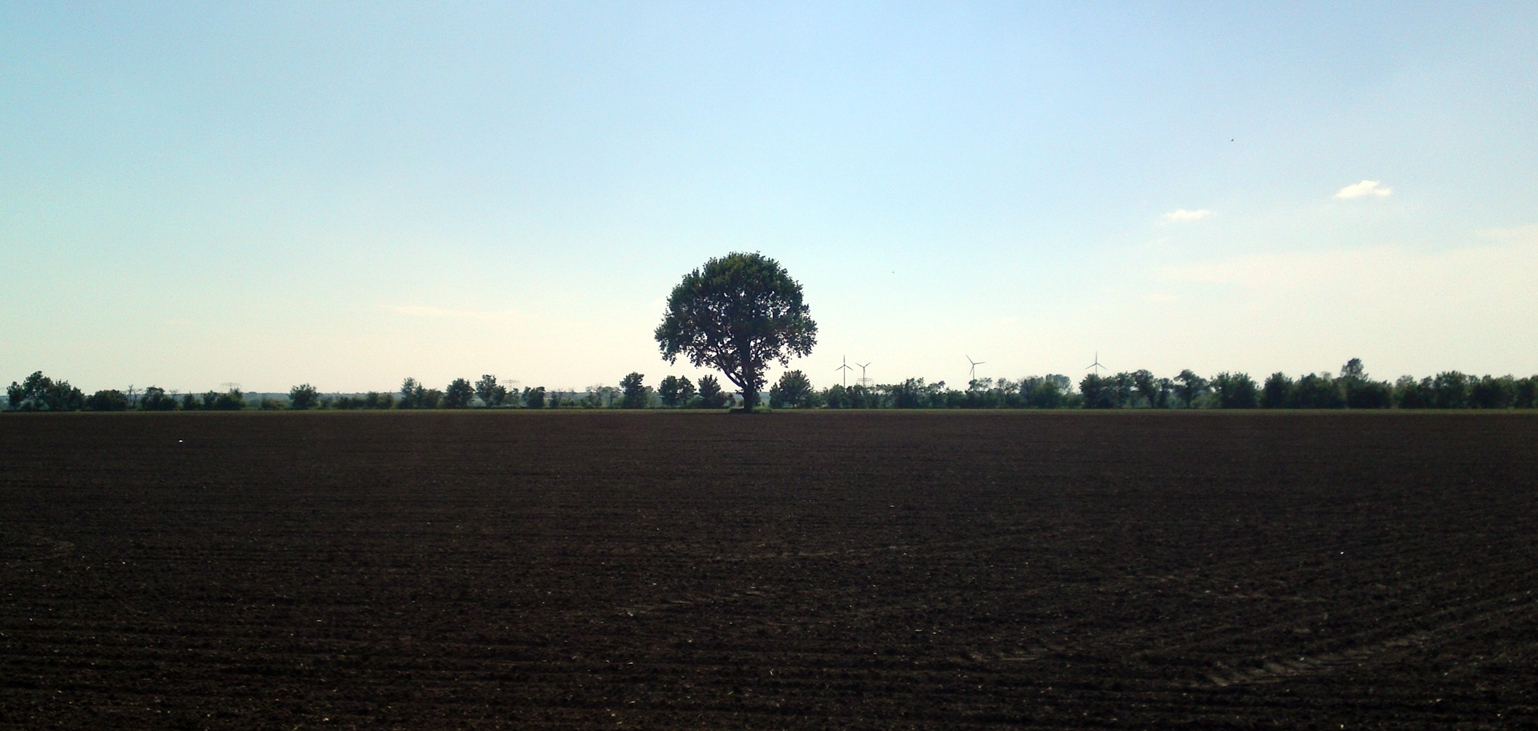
(736, 314)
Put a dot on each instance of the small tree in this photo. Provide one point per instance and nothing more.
(155, 399)
(737, 313)
(1318, 391)
(794, 389)
(458, 395)
(711, 395)
(1146, 386)
(302, 397)
(41, 393)
(411, 394)
(1525, 393)
(491, 393)
(1353, 370)
(675, 391)
(534, 398)
(231, 400)
(107, 401)
(1277, 393)
(1098, 392)
(1450, 390)
(633, 391)
(1493, 393)
(1235, 390)
(1190, 387)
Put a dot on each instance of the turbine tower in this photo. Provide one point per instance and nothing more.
(846, 369)
(1096, 365)
(863, 380)
(975, 364)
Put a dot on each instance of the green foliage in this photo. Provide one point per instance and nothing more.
(1525, 395)
(156, 399)
(534, 398)
(302, 397)
(1367, 394)
(1189, 387)
(1450, 390)
(490, 392)
(271, 404)
(912, 393)
(1098, 392)
(599, 397)
(633, 391)
(416, 396)
(1277, 393)
(794, 390)
(711, 395)
(411, 393)
(41, 393)
(737, 314)
(458, 395)
(1317, 391)
(1353, 370)
(191, 402)
(675, 392)
(1412, 394)
(370, 400)
(1493, 393)
(1147, 387)
(1044, 392)
(233, 400)
(1235, 391)
(113, 400)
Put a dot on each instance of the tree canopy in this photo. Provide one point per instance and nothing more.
(737, 314)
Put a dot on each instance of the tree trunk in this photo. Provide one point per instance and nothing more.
(749, 393)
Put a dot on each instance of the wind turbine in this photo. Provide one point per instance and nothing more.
(845, 368)
(1096, 365)
(863, 380)
(975, 364)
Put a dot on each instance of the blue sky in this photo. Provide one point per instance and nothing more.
(349, 194)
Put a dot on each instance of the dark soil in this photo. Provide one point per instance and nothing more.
(822, 570)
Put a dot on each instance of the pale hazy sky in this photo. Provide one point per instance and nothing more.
(349, 194)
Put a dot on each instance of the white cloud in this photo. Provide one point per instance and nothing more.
(1185, 215)
(483, 316)
(1363, 189)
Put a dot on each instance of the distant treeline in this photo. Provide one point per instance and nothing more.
(1350, 389)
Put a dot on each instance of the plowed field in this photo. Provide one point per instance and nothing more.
(814, 570)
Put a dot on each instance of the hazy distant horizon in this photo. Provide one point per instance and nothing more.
(347, 196)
